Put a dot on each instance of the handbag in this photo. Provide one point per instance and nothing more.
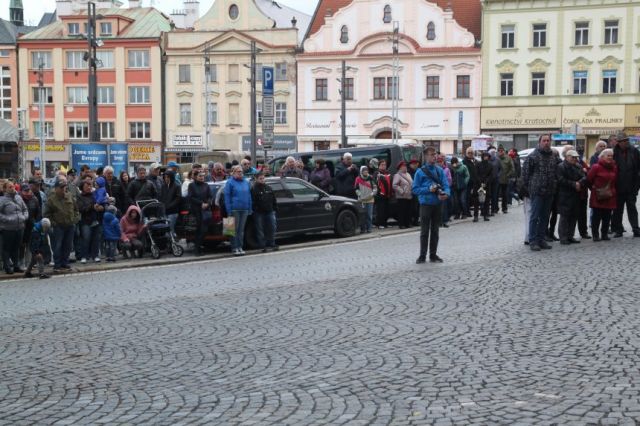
(604, 193)
(229, 226)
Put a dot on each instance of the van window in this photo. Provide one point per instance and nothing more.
(412, 152)
(362, 158)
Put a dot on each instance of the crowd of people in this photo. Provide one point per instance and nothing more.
(94, 215)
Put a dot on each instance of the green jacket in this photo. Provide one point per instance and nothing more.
(62, 211)
(507, 171)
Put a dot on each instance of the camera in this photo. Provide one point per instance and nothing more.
(438, 189)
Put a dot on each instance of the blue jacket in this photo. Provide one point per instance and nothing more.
(422, 185)
(110, 227)
(237, 195)
(38, 243)
(100, 194)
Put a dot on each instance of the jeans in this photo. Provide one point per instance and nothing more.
(430, 217)
(173, 218)
(89, 241)
(526, 208)
(62, 241)
(632, 213)
(11, 249)
(539, 218)
(111, 248)
(265, 224)
(460, 207)
(240, 217)
(366, 226)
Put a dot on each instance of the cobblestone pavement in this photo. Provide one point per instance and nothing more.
(352, 333)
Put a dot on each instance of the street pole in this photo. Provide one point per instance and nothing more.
(41, 116)
(94, 133)
(395, 86)
(343, 114)
(253, 104)
(207, 74)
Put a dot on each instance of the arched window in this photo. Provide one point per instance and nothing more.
(344, 34)
(431, 31)
(387, 14)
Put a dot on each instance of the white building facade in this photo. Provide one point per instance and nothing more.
(439, 72)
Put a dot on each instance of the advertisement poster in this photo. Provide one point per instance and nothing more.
(119, 157)
(93, 155)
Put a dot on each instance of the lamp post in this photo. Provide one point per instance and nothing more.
(207, 77)
(41, 94)
(92, 42)
(253, 104)
(343, 104)
(395, 86)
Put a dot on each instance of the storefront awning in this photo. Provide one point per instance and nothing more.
(8, 133)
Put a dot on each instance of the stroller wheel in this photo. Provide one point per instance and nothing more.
(177, 250)
(155, 252)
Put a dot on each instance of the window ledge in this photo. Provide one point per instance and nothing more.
(385, 100)
(433, 99)
(470, 98)
(507, 49)
(137, 104)
(541, 48)
(185, 125)
(321, 100)
(613, 45)
(234, 125)
(581, 46)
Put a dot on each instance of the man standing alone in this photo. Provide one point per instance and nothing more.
(539, 177)
(432, 188)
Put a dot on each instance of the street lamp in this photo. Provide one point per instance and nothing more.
(90, 57)
(207, 77)
(395, 86)
(343, 104)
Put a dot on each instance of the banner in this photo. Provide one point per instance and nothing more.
(93, 155)
(119, 157)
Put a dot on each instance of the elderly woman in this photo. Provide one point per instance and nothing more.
(13, 217)
(237, 202)
(402, 187)
(602, 178)
(571, 183)
(321, 176)
(290, 169)
(600, 146)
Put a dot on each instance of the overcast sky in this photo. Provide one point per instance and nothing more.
(33, 9)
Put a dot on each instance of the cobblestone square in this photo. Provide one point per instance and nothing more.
(352, 333)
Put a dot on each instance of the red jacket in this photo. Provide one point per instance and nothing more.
(130, 228)
(599, 175)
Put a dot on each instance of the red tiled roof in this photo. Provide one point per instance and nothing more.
(468, 13)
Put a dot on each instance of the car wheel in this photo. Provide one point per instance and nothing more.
(346, 224)
(250, 240)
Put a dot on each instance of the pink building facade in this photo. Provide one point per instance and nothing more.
(439, 69)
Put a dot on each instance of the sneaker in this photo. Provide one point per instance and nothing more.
(545, 246)
(44, 276)
(97, 260)
(535, 247)
(110, 259)
(264, 250)
(421, 259)
(380, 227)
(28, 275)
(242, 252)
(235, 252)
(83, 260)
(435, 259)
(275, 248)
(65, 267)
(475, 219)
(617, 235)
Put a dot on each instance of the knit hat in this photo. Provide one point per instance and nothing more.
(363, 169)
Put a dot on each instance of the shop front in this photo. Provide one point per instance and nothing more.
(56, 157)
(519, 127)
(184, 147)
(8, 150)
(590, 123)
(143, 154)
(632, 120)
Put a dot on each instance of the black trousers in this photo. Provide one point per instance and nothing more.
(504, 195)
(430, 218)
(11, 241)
(583, 226)
(632, 213)
(553, 216)
(404, 212)
(382, 211)
(600, 221)
(567, 225)
(472, 201)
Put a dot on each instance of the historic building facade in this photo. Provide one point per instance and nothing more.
(207, 78)
(439, 72)
(564, 67)
(129, 88)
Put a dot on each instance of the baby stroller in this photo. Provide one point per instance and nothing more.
(158, 229)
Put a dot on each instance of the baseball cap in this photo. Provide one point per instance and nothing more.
(572, 153)
(155, 166)
(25, 187)
(172, 164)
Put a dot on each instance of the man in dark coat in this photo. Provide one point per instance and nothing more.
(485, 176)
(540, 178)
(171, 197)
(141, 188)
(472, 188)
(346, 173)
(114, 188)
(571, 183)
(628, 161)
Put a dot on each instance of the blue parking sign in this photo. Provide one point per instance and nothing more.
(267, 81)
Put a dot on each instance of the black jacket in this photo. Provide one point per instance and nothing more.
(472, 166)
(568, 197)
(171, 195)
(485, 174)
(539, 174)
(114, 189)
(345, 180)
(198, 194)
(141, 190)
(628, 168)
(263, 198)
(88, 213)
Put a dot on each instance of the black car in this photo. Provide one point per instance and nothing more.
(302, 209)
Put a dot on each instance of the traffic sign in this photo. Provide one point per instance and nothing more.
(267, 81)
(36, 162)
(268, 140)
(259, 141)
(267, 106)
(267, 124)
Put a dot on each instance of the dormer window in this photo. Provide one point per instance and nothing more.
(74, 28)
(387, 14)
(234, 12)
(431, 31)
(105, 28)
(344, 35)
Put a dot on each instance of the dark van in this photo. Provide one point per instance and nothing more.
(361, 156)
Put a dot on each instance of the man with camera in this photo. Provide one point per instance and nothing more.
(432, 188)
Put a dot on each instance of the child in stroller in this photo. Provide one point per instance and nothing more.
(158, 229)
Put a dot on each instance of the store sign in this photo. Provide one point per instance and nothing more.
(594, 116)
(119, 157)
(632, 116)
(143, 153)
(48, 148)
(280, 142)
(187, 140)
(520, 118)
(93, 155)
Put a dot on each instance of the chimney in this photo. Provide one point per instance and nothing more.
(63, 8)
(294, 21)
(133, 4)
(192, 8)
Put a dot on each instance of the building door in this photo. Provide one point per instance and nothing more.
(385, 134)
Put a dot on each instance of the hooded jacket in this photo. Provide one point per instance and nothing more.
(38, 243)
(110, 227)
(131, 228)
(100, 195)
(141, 189)
(13, 213)
(506, 169)
(365, 187)
(171, 194)
(263, 198)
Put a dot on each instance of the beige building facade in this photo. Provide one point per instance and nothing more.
(571, 68)
(209, 106)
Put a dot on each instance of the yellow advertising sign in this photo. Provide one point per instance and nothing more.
(594, 116)
(47, 148)
(520, 118)
(142, 152)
